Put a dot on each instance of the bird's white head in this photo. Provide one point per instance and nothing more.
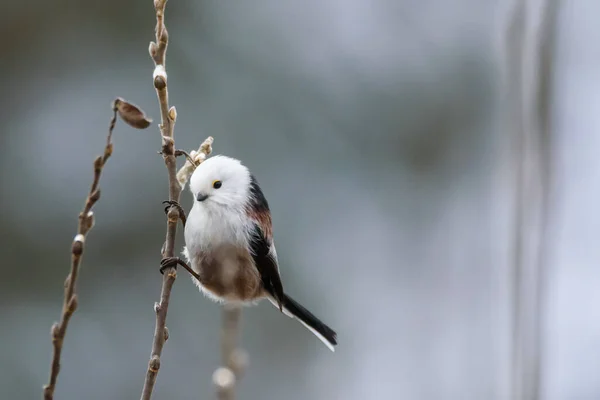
(221, 181)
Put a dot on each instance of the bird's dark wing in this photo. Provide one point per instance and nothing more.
(266, 263)
(261, 242)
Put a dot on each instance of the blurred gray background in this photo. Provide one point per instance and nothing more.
(379, 132)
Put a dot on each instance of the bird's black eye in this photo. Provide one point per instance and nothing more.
(217, 184)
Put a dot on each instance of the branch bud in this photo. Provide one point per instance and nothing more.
(154, 364)
(73, 303)
(54, 331)
(160, 77)
(152, 49)
(89, 220)
(77, 247)
(98, 163)
(173, 113)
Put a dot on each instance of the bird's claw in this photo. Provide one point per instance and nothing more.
(173, 203)
(168, 262)
(169, 204)
(178, 153)
(187, 156)
(172, 262)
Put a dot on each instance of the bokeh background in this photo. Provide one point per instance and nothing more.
(383, 136)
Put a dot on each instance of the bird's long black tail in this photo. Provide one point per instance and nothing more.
(314, 324)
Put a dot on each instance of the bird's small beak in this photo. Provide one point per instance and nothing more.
(201, 197)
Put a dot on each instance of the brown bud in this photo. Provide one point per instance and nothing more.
(173, 113)
(165, 34)
(159, 82)
(54, 331)
(89, 221)
(132, 114)
(98, 163)
(154, 364)
(73, 303)
(77, 247)
(152, 49)
(166, 333)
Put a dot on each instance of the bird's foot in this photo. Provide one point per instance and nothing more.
(179, 153)
(168, 262)
(172, 262)
(172, 203)
(186, 154)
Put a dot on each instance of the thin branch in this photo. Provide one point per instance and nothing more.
(539, 91)
(158, 51)
(136, 118)
(235, 360)
(515, 33)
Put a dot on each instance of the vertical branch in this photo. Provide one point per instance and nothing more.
(234, 360)
(136, 118)
(514, 78)
(158, 51)
(543, 42)
(530, 69)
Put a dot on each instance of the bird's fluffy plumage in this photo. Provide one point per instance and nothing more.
(235, 177)
(229, 241)
(222, 231)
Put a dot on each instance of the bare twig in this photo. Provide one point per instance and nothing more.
(235, 360)
(158, 52)
(136, 118)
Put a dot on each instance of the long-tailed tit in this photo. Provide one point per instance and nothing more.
(229, 242)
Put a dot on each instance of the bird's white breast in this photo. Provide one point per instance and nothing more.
(209, 227)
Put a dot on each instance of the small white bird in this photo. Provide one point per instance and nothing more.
(229, 242)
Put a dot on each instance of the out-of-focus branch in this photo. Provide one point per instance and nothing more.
(136, 118)
(540, 100)
(515, 33)
(234, 359)
(529, 65)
